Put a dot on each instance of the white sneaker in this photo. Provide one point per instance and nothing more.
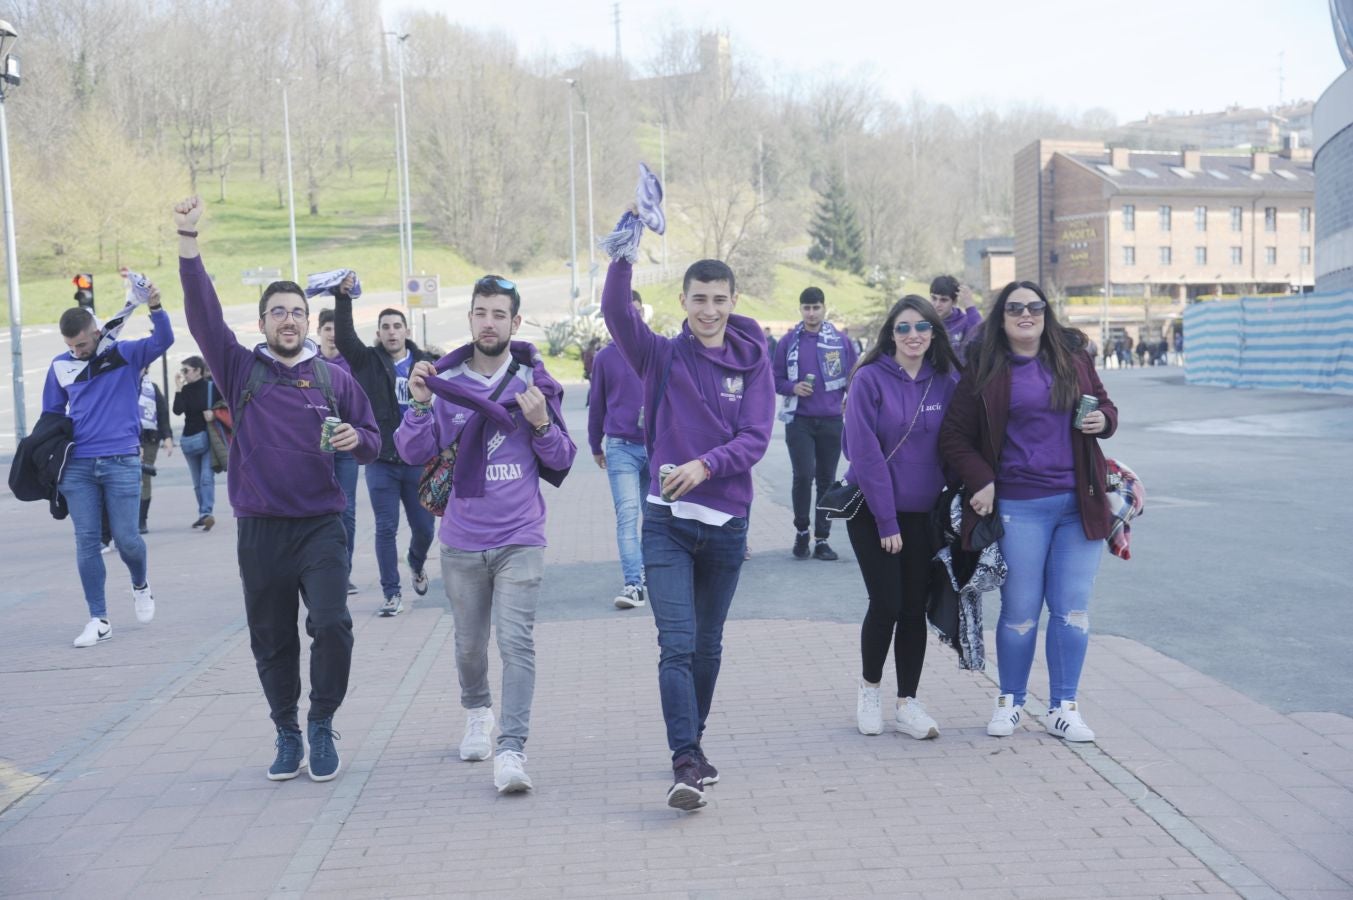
(97, 630)
(477, 743)
(869, 709)
(1005, 717)
(912, 719)
(509, 774)
(393, 606)
(144, 601)
(631, 596)
(1065, 722)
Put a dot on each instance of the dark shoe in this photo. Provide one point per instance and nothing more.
(324, 760)
(290, 756)
(207, 522)
(142, 529)
(823, 550)
(198, 523)
(145, 511)
(801, 550)
(685, 792)
(352, 588)
(708, 774)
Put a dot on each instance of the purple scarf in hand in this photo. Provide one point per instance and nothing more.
(467, 480)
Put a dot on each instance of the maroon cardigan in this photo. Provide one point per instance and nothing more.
(973, 434)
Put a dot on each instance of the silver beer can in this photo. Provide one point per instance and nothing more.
(663, 471)
(1087, 404)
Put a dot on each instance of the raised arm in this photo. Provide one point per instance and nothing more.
(143, 352)
(345, 332)
(220, 349)
(635, 340)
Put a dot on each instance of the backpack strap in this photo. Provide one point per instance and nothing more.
(260, 375)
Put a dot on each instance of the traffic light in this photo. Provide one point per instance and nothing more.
(84, 290)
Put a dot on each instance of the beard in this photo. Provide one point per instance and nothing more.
(498, 348)
(281, 352)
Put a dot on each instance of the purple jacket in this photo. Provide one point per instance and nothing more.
(883, 402)
(719, 404)
(276, 466)
(615, 405)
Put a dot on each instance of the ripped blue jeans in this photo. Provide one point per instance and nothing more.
(1050, 559)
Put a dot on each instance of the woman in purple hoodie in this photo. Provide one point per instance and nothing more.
(895, 403)
(1009, 436)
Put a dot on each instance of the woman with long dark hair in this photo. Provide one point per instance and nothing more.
(1009, 435)
(895, 403)
(193, 400)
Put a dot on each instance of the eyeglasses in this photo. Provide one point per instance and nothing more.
(280, 314)
(489, 282)
(1035, 308)
(906, 327)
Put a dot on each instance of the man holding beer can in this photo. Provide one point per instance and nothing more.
(291, 410)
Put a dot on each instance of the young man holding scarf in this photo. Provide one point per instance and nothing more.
(496, 402)
(97, 383)
(812, 365)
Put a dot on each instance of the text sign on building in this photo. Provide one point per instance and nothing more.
(424, 292)
(1075, 240)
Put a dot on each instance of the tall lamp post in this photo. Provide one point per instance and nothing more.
(591, 219)
(402, 163)
(291, 190)
(572, 207)
(9, 78)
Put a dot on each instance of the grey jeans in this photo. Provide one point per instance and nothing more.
(499, 587)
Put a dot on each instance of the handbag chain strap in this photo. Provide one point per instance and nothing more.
(920, 406)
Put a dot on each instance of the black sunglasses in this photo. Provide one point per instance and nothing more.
(1035, 308)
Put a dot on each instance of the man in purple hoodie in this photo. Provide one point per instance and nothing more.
(954, 302)
(615, 412)
(500, 408)
(709, 401)
(286, 498)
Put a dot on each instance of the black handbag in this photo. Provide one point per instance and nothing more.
(843, 500)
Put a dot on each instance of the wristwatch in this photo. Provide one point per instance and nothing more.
(541, 430)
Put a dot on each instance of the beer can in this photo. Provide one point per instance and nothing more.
(810, 378)
(326, 433)
(1087, 404)
(663, 471)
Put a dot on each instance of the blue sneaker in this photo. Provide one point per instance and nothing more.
(324, 759)
(290, 756)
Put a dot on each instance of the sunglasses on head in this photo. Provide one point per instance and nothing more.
(489, 282)
(906, 327)
(1035, 308)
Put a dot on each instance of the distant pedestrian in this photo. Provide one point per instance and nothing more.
(97, 383)
(771, 343)
(589, 356)
(345, 464)
(898, 397)
(382, 370)
(1046, 484)
(811, 367)
(615, 433)
(194, 397)
(498, 405)
(958, 310)
(709, 407)
(156, 435)
(1178, 338)
(288, 505)
(1142, 348)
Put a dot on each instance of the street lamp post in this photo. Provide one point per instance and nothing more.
(591, 219)
(9, 77)
(291, 190)
(572, 207)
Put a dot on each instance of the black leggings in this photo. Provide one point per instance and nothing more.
(899, 587)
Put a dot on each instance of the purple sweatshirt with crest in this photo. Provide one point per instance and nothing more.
(276, 466)
(719, 404)
(615, 406)
(882, 404)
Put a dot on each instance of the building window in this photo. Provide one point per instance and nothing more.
(1165, 256)
(1270, 219)
(1200, 218)
(1164, 213)
(1237, 218)
(1200, 256)
(1129, 217)
(1271, 256)
(1305, 220)
(1237, 256)
(1305, 256)
(1129, 256)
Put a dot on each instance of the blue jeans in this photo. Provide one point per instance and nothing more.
(197, 451)
(692, 571)
(627, 469)
(91, 487)
(345, 470)
(389, 484)
(1050, 558)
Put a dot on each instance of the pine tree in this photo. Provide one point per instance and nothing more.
(837, 237)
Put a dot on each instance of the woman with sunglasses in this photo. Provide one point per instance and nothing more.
(896, 401)
(1009, 436)
(193, 400)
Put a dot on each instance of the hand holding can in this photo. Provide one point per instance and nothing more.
(326, 433)
(1087, 404)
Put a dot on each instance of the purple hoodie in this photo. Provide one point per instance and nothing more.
(822, 403)
(962, 326)
(882, 403)
(276, 466)
(1036, 459)
(719, 404)
(615, 405)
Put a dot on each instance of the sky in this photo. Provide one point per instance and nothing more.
(1131, 57)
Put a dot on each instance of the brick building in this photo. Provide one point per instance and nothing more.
(1155, 223)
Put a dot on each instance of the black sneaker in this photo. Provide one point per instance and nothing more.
(352, 588)
(685, 792)
(823, 550)
(290, 756)
(708, 774)
(801, 550)
(324, 761)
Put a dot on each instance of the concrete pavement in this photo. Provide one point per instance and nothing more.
(135, 768)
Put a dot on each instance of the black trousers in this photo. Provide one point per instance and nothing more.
(899, 589)
(283, 561)
(814, 450)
